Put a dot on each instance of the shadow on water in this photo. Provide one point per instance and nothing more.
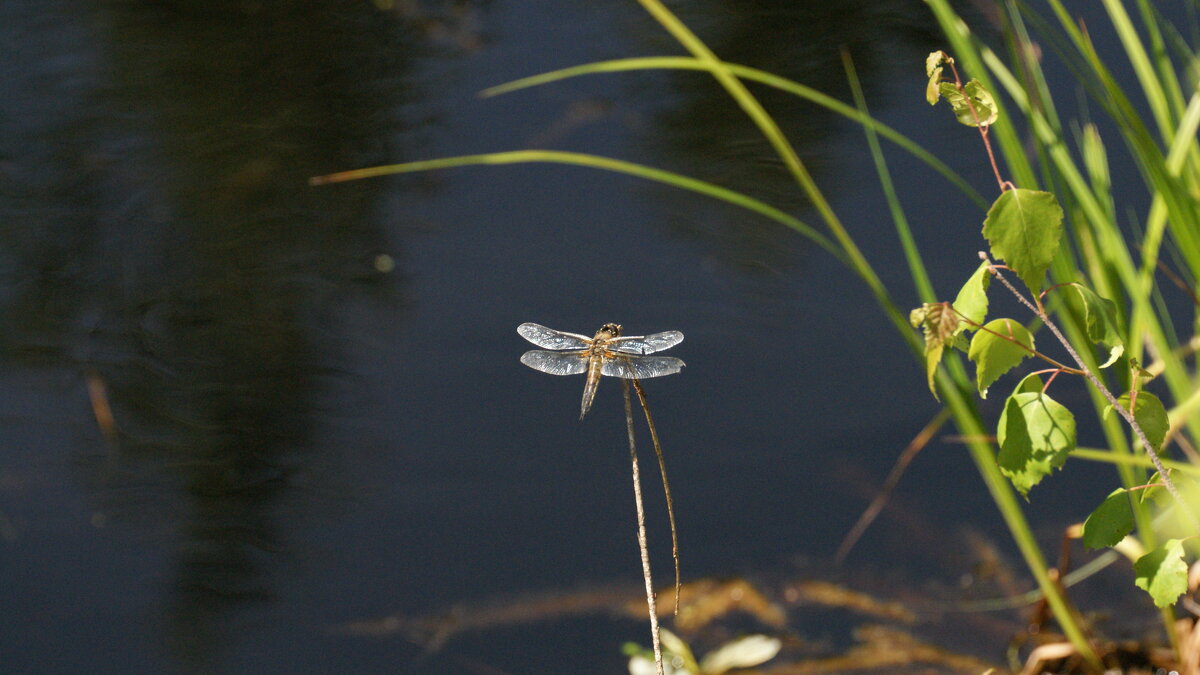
(160, 237)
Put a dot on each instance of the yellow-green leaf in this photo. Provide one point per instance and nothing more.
(933, 357)
(1030, 384)
(933, 71)
(934, 61)
(1162, 573)
(996, 348)
(931, 90)
(939, 323)
(972, 300)
(917, 316)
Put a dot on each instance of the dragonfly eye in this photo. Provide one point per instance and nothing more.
(613, 329)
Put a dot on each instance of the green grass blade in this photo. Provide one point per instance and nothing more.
(1157, 221)
(596, 162)
(1171, 205)
(916, 266)
(753, 75)
(1142, 461)
(1145, 148)
(770, 130)
(1143, 68)
(1165, 69)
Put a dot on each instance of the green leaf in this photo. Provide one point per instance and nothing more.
(1036, 433)
(972, 300)
(744, 652)
(995, 355)
(984, 105)
(1100, 319)
(1023, 228)
(1030, 384)
(1110, 522)
(1150, 416)
(1162, 573)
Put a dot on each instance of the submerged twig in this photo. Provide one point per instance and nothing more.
(868, 516)
(662, 469)
(101, 408)
(641, 532)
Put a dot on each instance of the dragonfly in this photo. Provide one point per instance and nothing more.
(605, 353)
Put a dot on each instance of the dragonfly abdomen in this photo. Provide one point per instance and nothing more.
(593, 381)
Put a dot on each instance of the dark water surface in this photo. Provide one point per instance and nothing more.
(320, 413)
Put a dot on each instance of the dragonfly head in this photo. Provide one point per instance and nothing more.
(609, 330)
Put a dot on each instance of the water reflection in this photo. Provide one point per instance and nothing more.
(162, 239)
(705, 130)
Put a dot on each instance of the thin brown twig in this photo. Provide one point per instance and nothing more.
(1009, 338)
(1178, 281)
(1175, 279)
(662, 468)
(1186, 446)
(643, 547)
(906, 457)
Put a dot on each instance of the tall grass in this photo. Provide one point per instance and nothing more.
(1106, 247)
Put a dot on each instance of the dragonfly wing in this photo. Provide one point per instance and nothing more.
(642, 367)
(552, 339)
(647, 344)
(555, 363)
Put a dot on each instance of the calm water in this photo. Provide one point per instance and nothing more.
(308, 436)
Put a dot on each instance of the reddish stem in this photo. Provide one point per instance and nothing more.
(983, 130)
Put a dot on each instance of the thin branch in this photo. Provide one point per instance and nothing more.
(641, 533)
(662, 469)
(983, 129)
(1032, 352)
(1151, 452)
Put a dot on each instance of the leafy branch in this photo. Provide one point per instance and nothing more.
(1024, 227)
(1128, 414)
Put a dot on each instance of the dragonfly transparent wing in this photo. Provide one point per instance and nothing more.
(552, 339)
(640, 367)
(556, 363)
(647, 344)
